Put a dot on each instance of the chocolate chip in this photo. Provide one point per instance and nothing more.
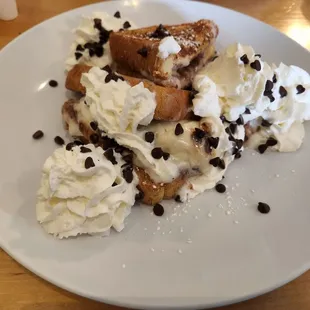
(89, 163)
(177, 198)
(198, 134)
(233, 128)
(265, 123)
(38, 135)
(109, 155)
(53, 83)
(158, 210)
(282, 91)
(262, 148)
(235, 150)
(107, 68)
(256, 65)
(271, 141)
(149, 136)
(128, 174)
(84, 149)
(114, 77)
(94, 125)
(117, 14)
(157, 153)
(245, 59)
(94, 138)
(114, 184)
(223, 119)
(59, 140)
(78, 55)
(239, 143)
(91, 52)
(160, 32)
(213, 142)
(128, 158)
(220, 188)
(108, 143)
(240, 120)
(247, 111)
(126, 25)
(271, 98)
(222, 164)
(79, 48)
(140, 195)
(69, 146)
(119, 149)
(258, 55)
(99, 51)
(78, 142)
(214, 161)
(263, 207)
(143, 52)
(300, 89)
(178, 129)
(237, 155)
(268, 86)
(104, 36)
(166, 156)
(97, 24)
(274, 79)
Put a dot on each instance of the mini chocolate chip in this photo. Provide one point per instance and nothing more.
(222, 164)
(231, 137)
(240, 120)
(214, 142)
(149, 136)
(237, 155)
(178, 129)
(271, 141)
(97, 24)
(99, 51)
(78, 55)
(157, 153)
(114, 184)
(239, 143)
(89, 163)
(158, 210)
(247, 111)
(126, 25)
(119, 149)
(143, 52)
(160, 32)
(166, 156)
(256, 65)
(220, 188)
(109, 155)
(214, 161)
(300, 89)
(38, 135)
(79, 48)
(59, 140)
(268, 86)
(140, 195)
(117, 14)
(178, 198)
(258, 55)
(274, 78)
(128, 174)
(235, 150)
(78, 142)
(128, 158)
(265, 123)
(245, 59)
(233, 128)
(69, 146)
(282, 91)
(94, 138)
(94, 125)
(107, 68)
(91, 52)
(84, 149)
(271, 98)
(198, 134)
(223, 119)
(263, 207)
(267, 93)
(53, 83)
(262, 148)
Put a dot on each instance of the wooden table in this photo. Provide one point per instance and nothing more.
(20, 289)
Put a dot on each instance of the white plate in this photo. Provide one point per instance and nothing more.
(232, 257)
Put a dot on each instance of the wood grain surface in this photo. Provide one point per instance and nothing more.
(21, 290)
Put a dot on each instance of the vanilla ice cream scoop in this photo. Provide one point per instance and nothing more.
(82, 192)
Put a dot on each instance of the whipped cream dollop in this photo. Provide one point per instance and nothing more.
(82, 192)
(123, 112)
(168, 46)
(94, 29)
(193, 155)
(239, 82)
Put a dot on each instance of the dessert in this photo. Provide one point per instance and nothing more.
(140, 136)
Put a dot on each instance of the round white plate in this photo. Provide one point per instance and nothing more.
(234, 255)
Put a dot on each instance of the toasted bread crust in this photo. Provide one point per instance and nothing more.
(172, 104)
